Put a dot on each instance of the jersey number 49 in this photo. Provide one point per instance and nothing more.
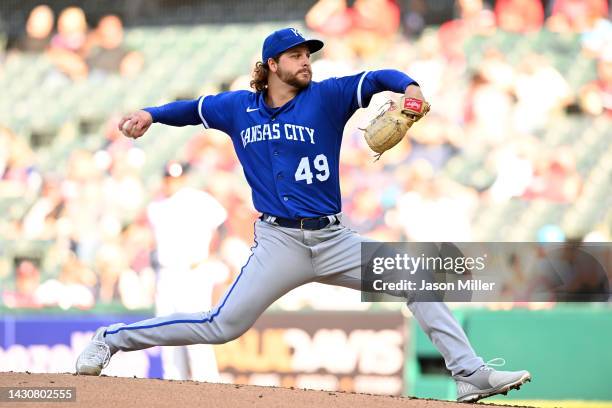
(320, 164)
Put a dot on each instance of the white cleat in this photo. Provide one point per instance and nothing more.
(486, 382)
(95, 356)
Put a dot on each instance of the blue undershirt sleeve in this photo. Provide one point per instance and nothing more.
(179, 113)
(352, 92)
(383, 80)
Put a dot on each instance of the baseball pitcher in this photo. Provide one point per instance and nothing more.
(287, 136)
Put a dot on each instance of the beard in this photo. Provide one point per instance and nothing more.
(296, 80)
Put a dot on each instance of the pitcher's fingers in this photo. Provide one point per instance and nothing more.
(142, 129)
(138, 123)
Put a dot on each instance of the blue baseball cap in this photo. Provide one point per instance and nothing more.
(281, 40)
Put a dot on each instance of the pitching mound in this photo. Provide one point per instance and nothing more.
(94, 392)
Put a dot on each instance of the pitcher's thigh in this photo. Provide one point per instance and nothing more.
(276, 266)
(339, 262)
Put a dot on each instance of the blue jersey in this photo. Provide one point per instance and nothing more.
(290, 155)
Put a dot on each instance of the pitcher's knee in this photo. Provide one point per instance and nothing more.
(228, 334)
(232, 335)
(230, 329)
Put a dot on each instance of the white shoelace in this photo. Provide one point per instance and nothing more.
(495, 362)
(95, 354)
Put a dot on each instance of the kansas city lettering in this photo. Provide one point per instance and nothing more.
(276, 131)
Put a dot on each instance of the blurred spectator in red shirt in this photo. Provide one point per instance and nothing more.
(556, 178)
(375, 23)
(377, 16)
(68, 45)
(27, 281)
(329, 18)
(39, 27)
(474, 19)
(576, 15)
(519, 16)
(368, 26)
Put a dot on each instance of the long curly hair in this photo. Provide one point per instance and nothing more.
(260, 75)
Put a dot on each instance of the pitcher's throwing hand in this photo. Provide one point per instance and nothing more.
(135, 124)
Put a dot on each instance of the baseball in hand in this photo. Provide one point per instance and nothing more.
(126, 127)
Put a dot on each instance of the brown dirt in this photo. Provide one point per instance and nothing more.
(94, 392)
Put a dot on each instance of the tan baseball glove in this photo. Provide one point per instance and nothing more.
(391, 125)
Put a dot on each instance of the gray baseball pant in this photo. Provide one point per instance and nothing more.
(281, 260)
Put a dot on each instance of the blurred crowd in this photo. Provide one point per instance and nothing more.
(75, 49)
(368, 25)
(89, 214)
